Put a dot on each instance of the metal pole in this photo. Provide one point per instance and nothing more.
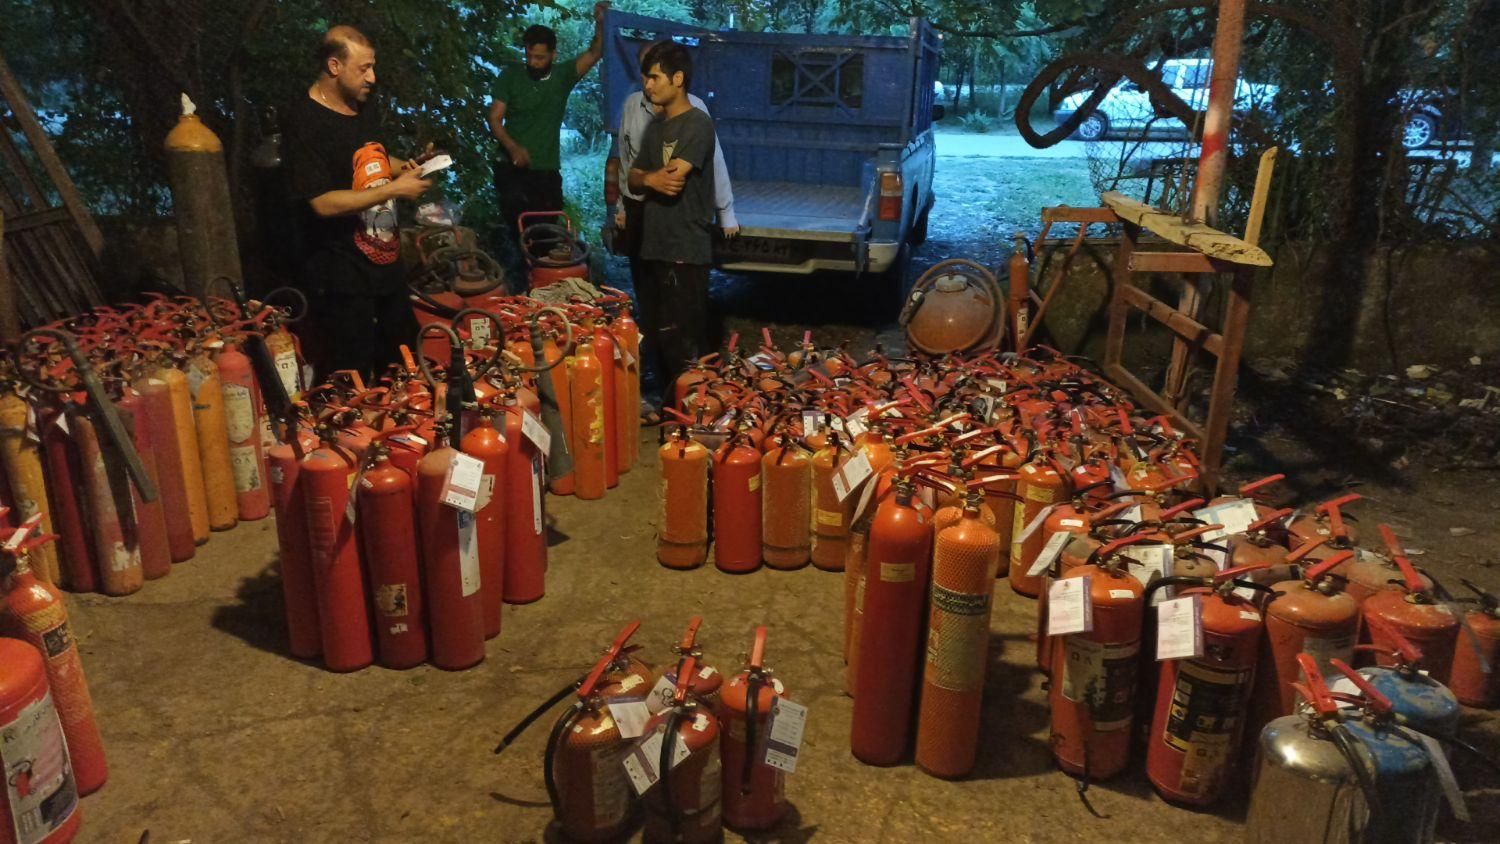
(1213, 159)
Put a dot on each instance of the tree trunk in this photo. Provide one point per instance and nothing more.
(1000, 110)
(973, 75)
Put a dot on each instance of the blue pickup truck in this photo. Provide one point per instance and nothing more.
(828, 138)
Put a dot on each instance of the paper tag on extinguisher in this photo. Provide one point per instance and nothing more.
(535, 431)
(864, 501)
(1117, 478)
(659, 699)
(461, 488)
(1069, 606)
(640, 764)
(1449, 783)
(631, 715)
(468, 553)
(812, 420)
(536, 494)
(855, 471)
(1036, 522)
(1049, 554)
(784, 734)
(19, 535)
(479, 332)
(1235, 516)
(1179, 629)
(1155, 563)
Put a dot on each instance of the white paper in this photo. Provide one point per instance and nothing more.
(660, 696)
(640, 764)
(784, 738)
(1068, 609)
(468, 553)
(1049, 553)
(1179, 629)
(864, 501)
(535, 431)
(461, 489)
(1134, 514)
(435, 164)
(631, 715)
(855, 471)
(1235, 516)
(479, 332)
(1036, 522)
(1155, 561)
(1117, 478)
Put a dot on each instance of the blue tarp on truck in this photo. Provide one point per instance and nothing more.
(828, 138)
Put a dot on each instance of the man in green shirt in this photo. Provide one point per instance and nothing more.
(526, 117)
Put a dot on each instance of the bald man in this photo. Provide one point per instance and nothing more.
(351, 268)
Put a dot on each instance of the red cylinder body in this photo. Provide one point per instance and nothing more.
(64, 482)
(525, 528)
(737, 507)
(156, 403)
(35, 613)
(896, 573)
(1201, 704)
(1432, 627)
(450, 568)
(605, 351)
(241, 412)
(150, 518)
(1319, 620)
(117, 553)
(1092, 691)
(754, 792)
(337, 572)
(695, 783)
(489, 446)
(388, 529)
(39, 790)
(593, 792)
(562, 386)
(589, 417)
(1040, 486)
(1470, 683)
(294, 553)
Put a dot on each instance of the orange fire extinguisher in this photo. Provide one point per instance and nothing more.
(899, 559)
(561, 362)
(41, 790)
(486, 443)
(1043, 482)
(156, 403)
(682, 538)
(326, 474)
(586, 782)
(754, 792)
(830, 517)
(786, 506)
(587, 403)
(23, 469)
(388, 529)
(186, 436)
(606, 350)
(450, 555)
(964, 560)
(151, 519)
(737, 505)
(683, 804)
(1476, 660)
(1312, 615)
(242, 412)
(525, 574)
(35, 613)
(117, 554)
(1202, 701)
(1414, 612)
(207, 391)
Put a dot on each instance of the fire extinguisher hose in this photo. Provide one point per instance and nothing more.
(1347, 744)
(520, 728)
(1174, 580)
(559, 733)
(752, 706)
(664, 767)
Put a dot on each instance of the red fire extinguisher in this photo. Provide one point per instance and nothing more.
(242, 410)
(899, 560)
(1415, 613)
(1476, 660)
(284, 465)
(488, 444)
(582, 769)
(65, 485)
(1202, 702)
(326, 474)
(117, 554)
(450, 560)
(38, 793)
(683, 805)
(524, 580)
(606, 351)
(150, 517)
(737, 505)
(388, 529)
(156, 398)
(754, 792)
(33, 611)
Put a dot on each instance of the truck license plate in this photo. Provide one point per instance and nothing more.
(755, 249)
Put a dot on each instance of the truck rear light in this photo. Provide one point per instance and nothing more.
(890, 196)
(611, 180)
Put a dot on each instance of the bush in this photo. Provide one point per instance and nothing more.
(977, 122)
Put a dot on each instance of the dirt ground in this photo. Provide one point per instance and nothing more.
(216, 734)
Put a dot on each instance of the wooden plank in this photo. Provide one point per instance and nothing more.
(1195, 333)
(11, 91)
(1221, 401)
(1122, 377)
(1114, 341)
(1069, 214)
(1170, 227)
(10, 318)
(1177, 262)
(1258, 198)
(33, 198)
(35, 219)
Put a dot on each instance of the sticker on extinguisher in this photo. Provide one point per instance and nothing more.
(1206, 702)
(246, 465)
(536, 494)
(39, 784)
(286, 367)
(611, 788)
(1069, 606)
(479, 332)
(957, 635)
(784, 734)
(461, 489)
(239, 412)
(468, 553)
(1101, 676)
(641, 763)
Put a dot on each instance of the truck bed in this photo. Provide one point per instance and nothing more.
(805, 212)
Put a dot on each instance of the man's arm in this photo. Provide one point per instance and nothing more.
(664, 181)
(585, 63)
(337, 203)
(519, 156)
(724, 192)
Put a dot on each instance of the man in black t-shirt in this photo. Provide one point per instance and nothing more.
(346, 188)
(675, 171)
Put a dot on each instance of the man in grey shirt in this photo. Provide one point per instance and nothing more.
(673, 169)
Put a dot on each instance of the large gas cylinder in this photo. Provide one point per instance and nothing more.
(786, 506)
(958, 636)
(754, 792)
(830, 517)
(488, 444)
(156, 404)
(201, 202)
(40, 793)
(388, 529)
(23, 469)
(34, 612)
(525, 574)
(682, 535)
(587, 439)
(562, 384)
(242, 411)
(1042, 484)
(607, 353)
(1202, 702)
(855, 559)
(1476, 657)
(737, 506)
(895, 593)
(189, 458)
(450, 565)
(294, 553)
(326, 475)
(1313, 616)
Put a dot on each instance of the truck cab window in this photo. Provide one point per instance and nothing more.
(818, 78)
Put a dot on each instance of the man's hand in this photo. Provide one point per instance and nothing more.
(678, 168)
(620, 218)
(408, 185)
(665, 182)
(518, 155)
(730, 232)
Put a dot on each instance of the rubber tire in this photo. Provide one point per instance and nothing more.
(1083, 134)
(892, 285)
(919, 228)
(1424, 121)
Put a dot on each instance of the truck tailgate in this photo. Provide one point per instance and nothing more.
(802, 212)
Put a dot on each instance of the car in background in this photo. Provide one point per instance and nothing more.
(1127, 111)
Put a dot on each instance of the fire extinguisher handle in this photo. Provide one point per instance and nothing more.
(1306, 548)
(1262, 524)
(1336, 503)
(685, 673)
(1248, 489)
(1231, 574)
(1185, 506)
(1313, 687)
(1398, 555)
(1395, 645)
(1313, 574)
(1379, 702)
(758, 650)
(690, 636)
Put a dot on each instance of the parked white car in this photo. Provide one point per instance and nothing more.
(1127, 110)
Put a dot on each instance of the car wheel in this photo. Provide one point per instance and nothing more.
(892, 285)
(1092, 129)
(919, 229)
(1420, 130)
